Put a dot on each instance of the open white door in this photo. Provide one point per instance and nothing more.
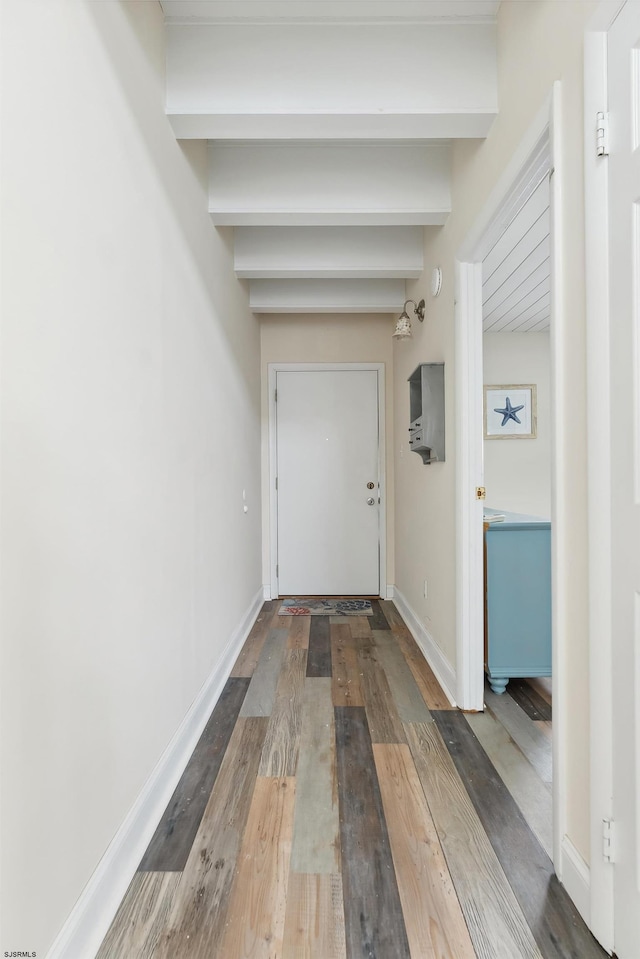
(624, 291)
(328, 492)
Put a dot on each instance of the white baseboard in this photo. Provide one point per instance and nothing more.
(442, 668)
(87, 925)
(266, 592)
(576, 879)
(391, 591)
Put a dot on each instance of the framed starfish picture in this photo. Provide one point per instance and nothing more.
(510, 412)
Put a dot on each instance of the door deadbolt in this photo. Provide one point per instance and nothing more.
(370, 485)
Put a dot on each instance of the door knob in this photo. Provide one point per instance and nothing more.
(370, 500)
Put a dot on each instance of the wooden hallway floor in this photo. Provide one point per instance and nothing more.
(337, 807)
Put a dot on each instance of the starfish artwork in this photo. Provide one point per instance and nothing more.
(509, 412)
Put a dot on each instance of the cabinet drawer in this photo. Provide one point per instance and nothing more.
(518, 600)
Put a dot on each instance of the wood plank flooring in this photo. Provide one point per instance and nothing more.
(338, 807)
(169, 849)
(545, 904)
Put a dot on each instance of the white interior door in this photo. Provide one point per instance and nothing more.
(327, 451)
(624, 266)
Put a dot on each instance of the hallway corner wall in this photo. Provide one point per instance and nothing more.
(130, 428)
(538, 43)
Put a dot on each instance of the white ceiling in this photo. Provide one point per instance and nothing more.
(516, 273)
(327, 117)
(318, 10)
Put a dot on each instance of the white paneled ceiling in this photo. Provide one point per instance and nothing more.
(327, 118)
(516, 273)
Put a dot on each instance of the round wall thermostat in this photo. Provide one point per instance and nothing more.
(436, 281)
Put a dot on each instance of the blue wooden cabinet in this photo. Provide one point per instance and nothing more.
(517, 598)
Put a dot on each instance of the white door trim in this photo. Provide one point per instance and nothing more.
(560, 495)
(275, 368)
(599, 466)
(538, 154)
(527, 168)
(469, 474)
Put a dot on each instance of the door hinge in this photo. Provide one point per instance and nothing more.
(602, 134)
(607, 840)
(276, 482)
(275, 395)
(277, 570)
(481, 492)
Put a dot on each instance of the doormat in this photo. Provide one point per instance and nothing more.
(326, 607)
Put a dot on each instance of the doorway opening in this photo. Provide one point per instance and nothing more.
(327, 479)
(520, 222)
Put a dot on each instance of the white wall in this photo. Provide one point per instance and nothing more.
(425, 494)
(538, 43)
(130, 426)
(327, 339)
(517, 473)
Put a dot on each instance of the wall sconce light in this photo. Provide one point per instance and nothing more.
(403, 326)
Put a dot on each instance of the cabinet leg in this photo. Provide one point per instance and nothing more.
(498, 684)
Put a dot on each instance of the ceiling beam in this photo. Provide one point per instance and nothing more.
(331, 81)
(329, 183)
(424, 11)
(331, 126)
(326, 296)
(350, 252)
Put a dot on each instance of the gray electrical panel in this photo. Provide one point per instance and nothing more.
(426, 404)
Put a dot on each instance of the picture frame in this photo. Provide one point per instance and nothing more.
(510, 412)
